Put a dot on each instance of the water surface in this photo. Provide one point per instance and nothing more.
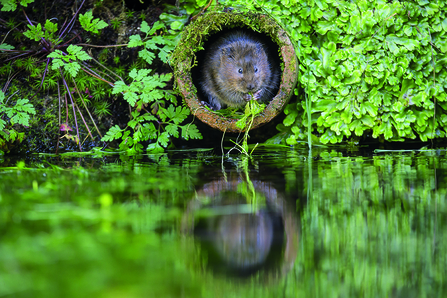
(282, 223)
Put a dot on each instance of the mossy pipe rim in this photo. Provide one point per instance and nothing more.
(191, 41)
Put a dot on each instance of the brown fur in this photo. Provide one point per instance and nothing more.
(236, 65)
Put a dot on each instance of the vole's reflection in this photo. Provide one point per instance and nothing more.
(244, 240)
(241, 237)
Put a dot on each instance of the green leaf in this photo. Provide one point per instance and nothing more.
(155, 148)
(177, 25)
(146, 55)
(134, 41)
(90, 24)
(115, 132)
(24, 105)
(9, 5)
(157, 25)
(190, 131)
(408, 43)
(76, 52)
(354, 78)
(322, 27)
(173, 130)
(5, 46)
(50, 28)
(25, 3)
(35, 32)
(163, 139)
(68, 61)
(145, 27)
(2, 124)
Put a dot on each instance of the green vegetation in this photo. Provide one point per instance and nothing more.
(11, 5)
(369, 68)
(370, 227)
(19, 114)
(252, 109)
(90, 24)
(83, 93)
(146, 90)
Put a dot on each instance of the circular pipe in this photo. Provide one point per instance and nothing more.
(184, 59)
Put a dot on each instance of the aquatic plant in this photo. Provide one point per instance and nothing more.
(252, 109)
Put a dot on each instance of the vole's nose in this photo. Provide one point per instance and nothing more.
(250, 87)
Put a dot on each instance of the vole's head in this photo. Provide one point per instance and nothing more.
(245, 66)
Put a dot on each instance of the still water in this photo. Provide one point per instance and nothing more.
(281, 223)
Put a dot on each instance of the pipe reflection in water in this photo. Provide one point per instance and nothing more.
(242, 235)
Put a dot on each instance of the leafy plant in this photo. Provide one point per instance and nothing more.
(164, 45)
(11, 115)
(67, 59)
(144, 90)
(90, 24)
(11, 5)
(252, 109)
(369, 68)
(116, 23)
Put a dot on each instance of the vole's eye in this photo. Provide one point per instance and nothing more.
(239, 70)
(256, 69)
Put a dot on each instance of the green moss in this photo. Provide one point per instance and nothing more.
(194, 36)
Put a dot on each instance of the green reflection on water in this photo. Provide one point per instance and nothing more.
(370, 227)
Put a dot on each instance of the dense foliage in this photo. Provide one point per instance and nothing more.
(369, 68)
(154, 117)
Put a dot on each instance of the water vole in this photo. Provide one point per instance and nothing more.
(235, 66)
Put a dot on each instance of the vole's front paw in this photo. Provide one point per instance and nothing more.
(257, 95)
(248, 97)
